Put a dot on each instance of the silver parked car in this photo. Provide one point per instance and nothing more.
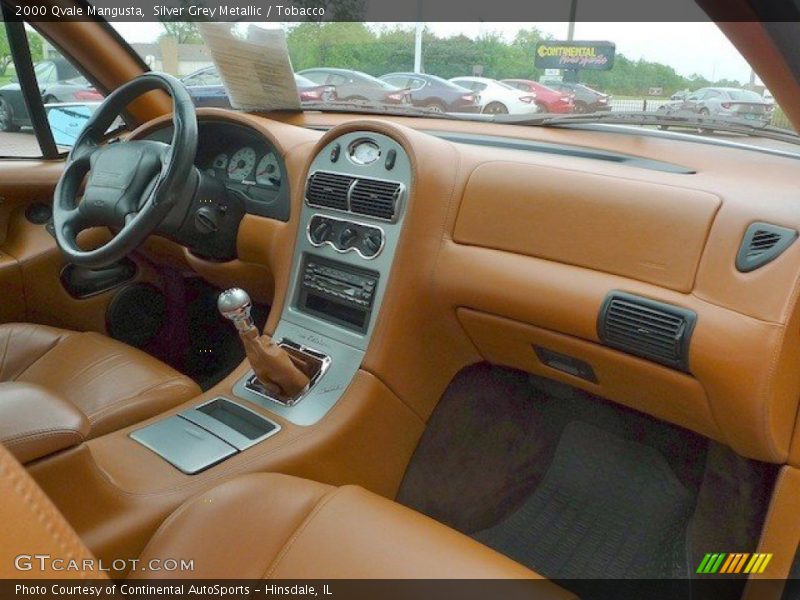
(723, 103)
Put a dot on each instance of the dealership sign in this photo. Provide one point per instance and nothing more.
(575, 55)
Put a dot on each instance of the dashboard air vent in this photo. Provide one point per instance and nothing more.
(763, 243)
(649, 329)
(375, 198)
(328, 190)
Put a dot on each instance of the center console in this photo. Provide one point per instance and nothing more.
(349, 225)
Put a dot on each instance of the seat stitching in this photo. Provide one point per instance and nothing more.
(5, 353)
(26, 491)
(58, 340)
(106, 408)
(41, 433)
(94, 363)
(288, 545)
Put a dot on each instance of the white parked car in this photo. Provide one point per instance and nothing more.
(497, 98)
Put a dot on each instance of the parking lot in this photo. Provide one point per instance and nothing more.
(24, 144)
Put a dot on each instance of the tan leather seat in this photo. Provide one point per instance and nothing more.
(264, 526)
(112, 384)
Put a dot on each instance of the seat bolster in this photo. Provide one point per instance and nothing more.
(280, 527)
(236, 529)
(34, 422)
(33, 525)
(22, 344)
(113, 384)
(356, 534)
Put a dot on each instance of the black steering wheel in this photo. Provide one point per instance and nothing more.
(132, 185)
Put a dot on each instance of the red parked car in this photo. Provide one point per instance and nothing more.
(548, 99)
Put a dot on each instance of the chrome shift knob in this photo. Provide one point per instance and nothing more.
(235, 304)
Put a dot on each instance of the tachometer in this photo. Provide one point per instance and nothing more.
(242, 163)
(268, 171)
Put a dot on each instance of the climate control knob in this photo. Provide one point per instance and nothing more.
(347, 236)
(372, 242)
(320, 231)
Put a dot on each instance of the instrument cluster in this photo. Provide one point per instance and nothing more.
(248, 166)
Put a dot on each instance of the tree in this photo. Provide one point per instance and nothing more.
(335, 10)
(5, 51)
(185, 32)
(377, 51)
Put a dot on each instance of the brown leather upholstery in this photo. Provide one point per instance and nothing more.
(32, 525)
(262, 526)
(112, 384)
(280, 527)
(35, 422)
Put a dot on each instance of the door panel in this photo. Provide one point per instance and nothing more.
(30, 261)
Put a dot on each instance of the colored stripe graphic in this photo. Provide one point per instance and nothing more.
(731, 564)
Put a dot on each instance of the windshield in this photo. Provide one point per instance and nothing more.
(636, 68)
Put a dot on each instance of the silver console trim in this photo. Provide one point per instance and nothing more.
(223, 431)
(346, 250)
(252, 383)
(398, 207)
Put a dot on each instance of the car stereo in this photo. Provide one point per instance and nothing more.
(337, 292)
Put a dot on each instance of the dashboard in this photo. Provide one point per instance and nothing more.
(417, 247)
(244, 161)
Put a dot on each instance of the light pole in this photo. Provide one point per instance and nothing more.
(418, 40)
(573, 9)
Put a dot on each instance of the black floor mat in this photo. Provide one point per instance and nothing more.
(607, 508)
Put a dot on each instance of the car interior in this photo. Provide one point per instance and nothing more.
(411, 347)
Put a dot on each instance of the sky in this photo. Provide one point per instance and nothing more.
(687, 47)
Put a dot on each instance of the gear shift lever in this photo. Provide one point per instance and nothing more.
(272, 365)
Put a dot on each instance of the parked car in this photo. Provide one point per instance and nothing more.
(358, 86)
(434, 93)
(312, 92)
(497, 98)
(548, 99)
(725, 102)
(58, 81)
(206, 89)
(586, 100)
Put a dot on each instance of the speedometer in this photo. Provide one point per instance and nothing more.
(364, 152)
(268, 172)
(242, 163)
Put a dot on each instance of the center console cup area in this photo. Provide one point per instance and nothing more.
(200, 437)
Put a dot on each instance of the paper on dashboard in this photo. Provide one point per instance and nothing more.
(255, 70)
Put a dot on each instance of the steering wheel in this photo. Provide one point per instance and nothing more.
(131, 185)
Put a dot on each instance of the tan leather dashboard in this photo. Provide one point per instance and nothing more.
(514, 248)
(644, 231)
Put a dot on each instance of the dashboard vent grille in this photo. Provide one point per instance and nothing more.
(763, 243)
(649, 329)
(375, 198)
(329, 190)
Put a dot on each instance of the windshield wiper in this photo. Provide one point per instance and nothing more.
(648, 118)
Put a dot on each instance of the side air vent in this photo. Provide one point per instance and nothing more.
(328, 190)
(763, 243)
(649, 329)
(375, 198)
